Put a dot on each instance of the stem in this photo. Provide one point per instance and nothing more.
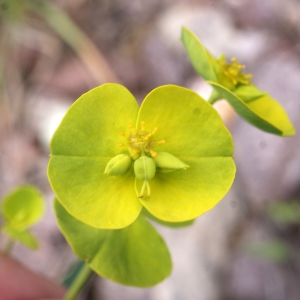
(8, 247)
(78, 284)
(214, 96)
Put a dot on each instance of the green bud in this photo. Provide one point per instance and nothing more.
(144, 168)
(118, 165)
(166, 162)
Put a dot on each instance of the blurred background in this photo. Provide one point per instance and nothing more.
(248, 246)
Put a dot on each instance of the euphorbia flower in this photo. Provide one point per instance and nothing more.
(21, 209)
(172, 156)
(231, 83)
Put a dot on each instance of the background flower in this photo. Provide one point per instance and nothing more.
(229, 82)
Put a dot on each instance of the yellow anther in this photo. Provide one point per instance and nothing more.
(141, 142)
(148, 136)
(121, 145)
(154, 130)
(161, 142)
(233, 71)
(131, 127)
(122, 133)
(153, 153)
(133, 153)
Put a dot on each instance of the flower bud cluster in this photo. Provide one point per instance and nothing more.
(145, 161)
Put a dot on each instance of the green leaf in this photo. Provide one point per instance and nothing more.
(287, 213)
(203, 62)
(23, 207)
(264, 113)
(13, 10)
(195, 134)
(274, 251)
(22, 236)
(135, 255)
(86, 140)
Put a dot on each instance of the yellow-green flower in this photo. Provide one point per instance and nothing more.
(110, 158)
(21, 209)
(231, 83)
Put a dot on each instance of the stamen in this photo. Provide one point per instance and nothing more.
(161, 142)
(148, 136)
(133, 130)
(154, 130)
(234, 71)
(133, 153)
(153, 153)
(141, 142)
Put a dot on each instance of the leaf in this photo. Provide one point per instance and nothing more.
(135, 255)
(22, 236)
(274, 251)
(23, 207)
(264, 113)
(194, 133)
(85, 141)
(203, 62)
(287, 213)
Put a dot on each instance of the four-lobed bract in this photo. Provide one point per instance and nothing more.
(89, 137)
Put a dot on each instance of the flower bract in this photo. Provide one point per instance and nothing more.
(122, 255)
(191, 178)
(231, 83)
(21, 209)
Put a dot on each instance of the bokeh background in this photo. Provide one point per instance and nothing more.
(248, 246)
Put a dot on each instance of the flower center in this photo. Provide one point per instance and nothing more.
(234, 71)
(141, 142)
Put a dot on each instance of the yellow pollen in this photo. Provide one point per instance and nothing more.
(141, 142)
(161, 142)
(134, 154)
(234, 71)
(153, 153)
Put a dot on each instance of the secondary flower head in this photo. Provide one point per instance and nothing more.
(21, 209)
(230, 82)
(109, 158)
(231, 74)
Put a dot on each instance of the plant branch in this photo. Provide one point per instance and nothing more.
(82, 278)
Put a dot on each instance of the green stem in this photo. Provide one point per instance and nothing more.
(8, 247)
(78, 284)
(214, 96)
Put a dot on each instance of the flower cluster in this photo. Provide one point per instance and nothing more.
(176, 161)
(231, 83)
